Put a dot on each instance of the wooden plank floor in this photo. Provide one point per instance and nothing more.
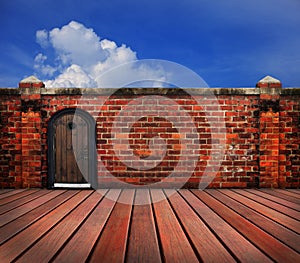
(173, 226)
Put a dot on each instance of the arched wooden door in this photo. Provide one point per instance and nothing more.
(71, 150)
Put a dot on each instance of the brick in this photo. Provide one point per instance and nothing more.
(259, 142)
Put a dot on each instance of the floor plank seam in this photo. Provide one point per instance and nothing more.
(78, 227)
(161, 251)
(16, 207)
(284, 197)
(210, 228)
(32, 222)
(271, 198)
(105, 224)
(257, 225)
(287, 193)
(57, 223)
(18, 198)
(236, 229)
(129, 227)
(234, 223)
(266, 216)
(197, 253)
(11, 193)
(277, 210)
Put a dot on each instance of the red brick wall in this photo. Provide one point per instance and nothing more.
(289, 141)
(261, 144)
(10, 139)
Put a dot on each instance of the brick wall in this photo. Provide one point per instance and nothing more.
(259, 146)
(10, 139)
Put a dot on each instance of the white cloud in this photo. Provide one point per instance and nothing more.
(42, 38)
(77, 44)
(73, 76)
(81, 56)
(39, 65)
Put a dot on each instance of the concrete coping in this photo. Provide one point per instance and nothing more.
(149, 91)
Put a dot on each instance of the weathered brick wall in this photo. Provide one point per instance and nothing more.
(289, 140)
(10, 139)
(241, 164)
(261, 140)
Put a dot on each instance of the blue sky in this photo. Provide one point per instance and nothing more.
(231, 43)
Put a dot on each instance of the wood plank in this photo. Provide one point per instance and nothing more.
(143, 229)
(74, 142)
(280, 195)
(208, 246)
(80, 245)
(111, 247)
(81, 146)
(58, 236)
(74, 169)
(86, 146)
(58, 150)
(62, 144)
(17, 196)
(18, 244)
(4, 191)
(69, 151)
(288, 193)
(23, 209)
(11, 193)
(266, 211)
(267, 243)
(54, 199)
(240, 247)
(14, 204)
(296, 191)
(273, 205)
(175, 245)
(216, 225)
(275, 199)
(282, 233)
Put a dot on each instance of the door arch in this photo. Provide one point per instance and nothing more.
(72, 150)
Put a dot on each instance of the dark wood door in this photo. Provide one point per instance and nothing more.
(71, 150)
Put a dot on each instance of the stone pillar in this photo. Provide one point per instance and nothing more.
(270, 89)
(30, 89)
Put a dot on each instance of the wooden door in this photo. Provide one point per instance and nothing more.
(72, 157)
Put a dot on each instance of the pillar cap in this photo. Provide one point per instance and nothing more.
(31, 82)
(269, 82)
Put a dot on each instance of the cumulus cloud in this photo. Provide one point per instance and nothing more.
(42, 38)
(39, 64)
(73, 76)
(80, 56)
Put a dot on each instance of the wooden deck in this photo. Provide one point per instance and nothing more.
(188, 226)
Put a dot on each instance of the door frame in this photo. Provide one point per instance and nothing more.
(92, 150)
